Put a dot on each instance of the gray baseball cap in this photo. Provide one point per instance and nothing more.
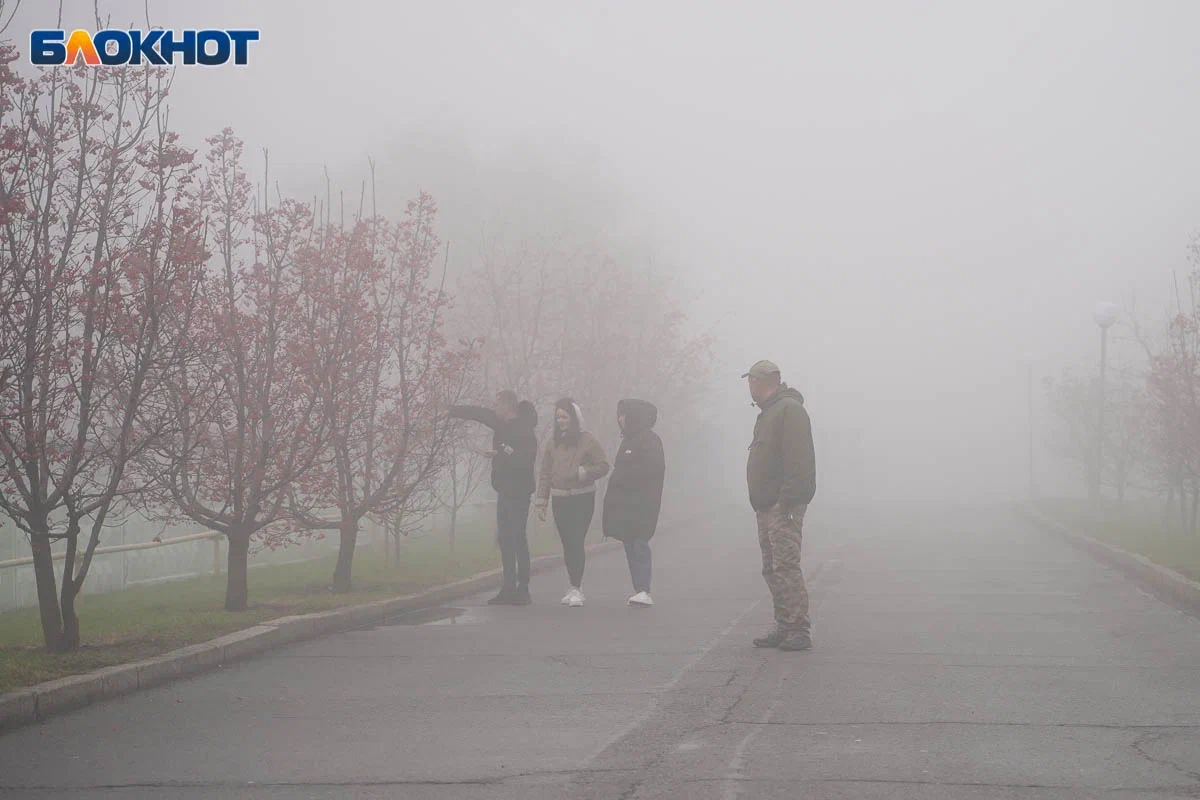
(762, 370)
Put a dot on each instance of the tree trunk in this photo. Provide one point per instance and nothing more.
(1183, 504)
(453, 506)
(345, 559)
(1170, 502)
(72, 580)
(1195, 505)
(69, 640)
(394, 530)
(237, 590)
(43, 571)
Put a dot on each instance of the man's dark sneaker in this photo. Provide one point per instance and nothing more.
(520, 596)
(796, 641)
(772, 639)
(504, 598)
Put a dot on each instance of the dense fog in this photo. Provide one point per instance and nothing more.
(895, 202)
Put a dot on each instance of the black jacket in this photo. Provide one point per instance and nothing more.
(634, 496)
(515, 444)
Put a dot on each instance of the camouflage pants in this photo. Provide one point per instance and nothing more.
(779, 537)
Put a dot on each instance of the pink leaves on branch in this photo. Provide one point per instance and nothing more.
(225, 357)
(103, 256)
(312, 348)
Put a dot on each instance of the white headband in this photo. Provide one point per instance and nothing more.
(578, 414)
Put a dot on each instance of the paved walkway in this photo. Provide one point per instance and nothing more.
(958, 655)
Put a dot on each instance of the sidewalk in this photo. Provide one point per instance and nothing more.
(44, 700)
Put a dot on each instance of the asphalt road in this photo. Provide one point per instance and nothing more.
(958, 655)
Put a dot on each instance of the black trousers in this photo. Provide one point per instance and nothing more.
(573, 517)
(512, 515)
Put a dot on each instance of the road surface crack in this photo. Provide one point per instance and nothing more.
(1152, 738)
(757, 669)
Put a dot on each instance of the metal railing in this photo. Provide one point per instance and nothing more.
(128, 548)
(166, 558)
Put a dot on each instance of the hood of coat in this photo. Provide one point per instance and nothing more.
(784, 391)
(640, 415)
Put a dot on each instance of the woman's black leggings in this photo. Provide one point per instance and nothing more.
(573, 517)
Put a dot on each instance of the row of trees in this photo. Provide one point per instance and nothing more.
(180, 341)
(1150, 412)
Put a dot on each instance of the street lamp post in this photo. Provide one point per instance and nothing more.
(1029, 387)
(1105, 315)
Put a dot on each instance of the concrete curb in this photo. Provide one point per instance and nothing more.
(1176, 589)
(41, 701)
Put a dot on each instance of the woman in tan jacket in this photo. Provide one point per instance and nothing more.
(571, 464)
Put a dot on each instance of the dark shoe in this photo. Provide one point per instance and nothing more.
(521, 597)
(504, 598)
(795, 642)
(772, 639)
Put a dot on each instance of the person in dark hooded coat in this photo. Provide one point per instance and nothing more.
(634, 497)
(513, 453)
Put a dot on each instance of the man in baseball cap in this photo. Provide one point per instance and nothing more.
(763, 370)
(781, 475)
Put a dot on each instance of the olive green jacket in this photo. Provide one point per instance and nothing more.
(782, 467)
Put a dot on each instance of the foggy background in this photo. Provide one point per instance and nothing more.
(895, 202)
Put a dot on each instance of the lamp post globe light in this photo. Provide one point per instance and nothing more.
(1104, 315)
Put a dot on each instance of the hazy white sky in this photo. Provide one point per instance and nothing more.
(894, 200)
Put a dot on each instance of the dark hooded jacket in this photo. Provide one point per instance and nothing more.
(634, 496)
(782, 467)
(515, 444)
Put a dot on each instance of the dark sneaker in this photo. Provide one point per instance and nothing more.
(772, 639)
(520, 597)
(796, 641)
(504, 598)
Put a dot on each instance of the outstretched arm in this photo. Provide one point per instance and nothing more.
(476, 414)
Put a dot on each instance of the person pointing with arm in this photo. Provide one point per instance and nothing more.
(514, 450)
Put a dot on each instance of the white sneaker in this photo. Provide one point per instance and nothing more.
(641, 599)
(568, 596)
(576, 600)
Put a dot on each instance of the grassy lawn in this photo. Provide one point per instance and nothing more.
(1138, 527)
(145, 621)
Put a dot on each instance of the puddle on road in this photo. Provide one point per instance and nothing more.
(433, 616)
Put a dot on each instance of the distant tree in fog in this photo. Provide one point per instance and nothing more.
(1074, 403)
(593, 321)
(1174, 423)
(1127, 456)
